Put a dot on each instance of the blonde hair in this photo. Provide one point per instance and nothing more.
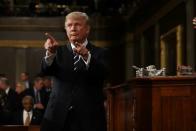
(77, 14)
(20, 87)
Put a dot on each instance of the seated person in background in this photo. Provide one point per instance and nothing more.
(9, 105)
(27, 116)
(24, 78)
(38, 93)
(47, 84)
(19, 88)
(3, 101)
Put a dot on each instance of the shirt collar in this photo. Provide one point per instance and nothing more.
(30, 112)
(35, 90)
(85, 44)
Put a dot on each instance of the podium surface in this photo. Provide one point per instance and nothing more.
(153, 104)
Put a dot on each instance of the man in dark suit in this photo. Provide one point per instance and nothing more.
(78, 69)
(24, 77)
(10, 100)
(47, 86)
(29, 115)
(38, 93)
(3, 102)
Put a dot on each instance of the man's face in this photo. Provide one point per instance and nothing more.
(23, 77)
(27, 105)
(77, 29)
(3, 86)
(47, 83)
(39, 84)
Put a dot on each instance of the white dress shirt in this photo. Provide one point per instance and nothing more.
(25, 114)
(26, 84)
(7, 90)
(49, 58)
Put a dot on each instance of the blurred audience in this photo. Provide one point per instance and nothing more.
(28, 115)
(24, 77)
(20, 87)
(24, 104)
(47, 84)
(3, 104)
(38, 93)
(8, 100)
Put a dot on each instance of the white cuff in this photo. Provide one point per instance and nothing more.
(49, 58)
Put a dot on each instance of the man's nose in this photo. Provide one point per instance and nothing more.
(73, 28)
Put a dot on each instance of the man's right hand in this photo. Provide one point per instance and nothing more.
(51, 44)
(38, 106)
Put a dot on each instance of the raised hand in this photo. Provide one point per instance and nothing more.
(51, 44)
(39, 106)
(81, 50)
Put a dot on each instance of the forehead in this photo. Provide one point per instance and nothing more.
(27, 101)
(74, 19)
(38, 81)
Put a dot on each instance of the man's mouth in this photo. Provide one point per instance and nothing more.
(74, 35)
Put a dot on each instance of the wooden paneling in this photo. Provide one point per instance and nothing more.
(153, 104)
(166, 101)
(175, 113)
(119, 108)
(17, 60)
(19, 128)
(172, 91)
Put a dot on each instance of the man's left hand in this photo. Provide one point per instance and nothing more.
(38, 106)
(81, 50)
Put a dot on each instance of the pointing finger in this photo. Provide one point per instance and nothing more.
(50, 37)
(77, 44)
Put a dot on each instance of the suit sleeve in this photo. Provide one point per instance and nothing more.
(48, 69)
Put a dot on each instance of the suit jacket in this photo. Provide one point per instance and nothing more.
(30, 85)
(12, 97)
(8, 109)
(35, 120)
(81, 89)
(43, 95)
(48, 92)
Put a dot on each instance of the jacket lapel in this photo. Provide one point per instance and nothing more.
(69, 47)
(90, 47)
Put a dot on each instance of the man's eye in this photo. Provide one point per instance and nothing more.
(78, 24)
(69, 25)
